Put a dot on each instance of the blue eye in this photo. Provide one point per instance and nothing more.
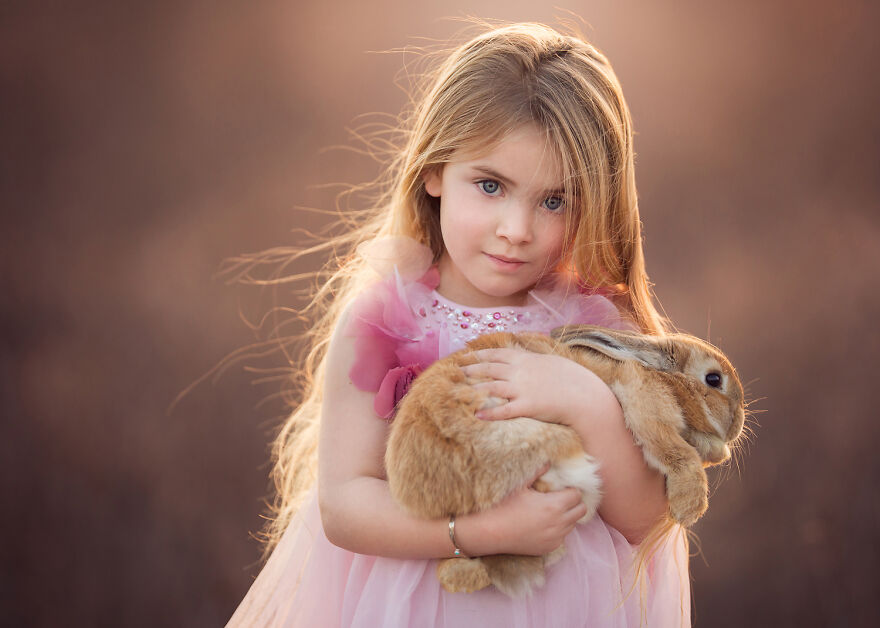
(489, 186)
(553, 203)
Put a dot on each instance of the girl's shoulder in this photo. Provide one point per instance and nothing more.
(404, 279)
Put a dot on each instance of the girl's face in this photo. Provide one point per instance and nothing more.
(502, 218)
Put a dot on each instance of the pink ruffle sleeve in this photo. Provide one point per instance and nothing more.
(391, 348)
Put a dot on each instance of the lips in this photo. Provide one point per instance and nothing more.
(507, 260)
(504, 264)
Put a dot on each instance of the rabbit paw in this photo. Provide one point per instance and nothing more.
(688, 500)
(516, 576)
(463, 575)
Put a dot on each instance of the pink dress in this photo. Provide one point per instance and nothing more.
(400, 326)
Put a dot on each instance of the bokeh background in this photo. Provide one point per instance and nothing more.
(144, 143)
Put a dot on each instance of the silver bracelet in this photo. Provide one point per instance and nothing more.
(458, 553)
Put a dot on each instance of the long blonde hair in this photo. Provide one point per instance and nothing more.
(493, 84)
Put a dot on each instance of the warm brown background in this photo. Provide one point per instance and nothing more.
(142, 145)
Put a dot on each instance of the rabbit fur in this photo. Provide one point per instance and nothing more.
(442, 460)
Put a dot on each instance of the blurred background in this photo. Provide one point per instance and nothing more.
(144, 143)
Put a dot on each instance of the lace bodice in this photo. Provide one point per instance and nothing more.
(461, 324)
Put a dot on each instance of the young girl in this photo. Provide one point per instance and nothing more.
(512, 207)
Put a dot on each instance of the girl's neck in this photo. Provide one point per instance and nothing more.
(456, 288)
(481, 303)
(495, 306)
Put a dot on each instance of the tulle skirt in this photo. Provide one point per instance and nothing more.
(309, 582)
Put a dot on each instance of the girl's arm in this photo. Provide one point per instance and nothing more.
(634, 495)
(552, 388)
(359, 514)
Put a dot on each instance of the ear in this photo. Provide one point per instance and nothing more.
(433, 178)
(618, 345)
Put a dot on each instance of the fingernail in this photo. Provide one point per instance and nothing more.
(480, 415)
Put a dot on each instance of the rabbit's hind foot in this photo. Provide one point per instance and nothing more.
(516, 576)
(463, 575)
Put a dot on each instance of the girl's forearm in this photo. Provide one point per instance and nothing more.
(634, 495)
(362, 517)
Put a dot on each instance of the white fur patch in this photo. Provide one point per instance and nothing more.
(581, 472)
(713, 421)
(702, 364)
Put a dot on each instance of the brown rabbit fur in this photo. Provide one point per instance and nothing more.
(442, 460)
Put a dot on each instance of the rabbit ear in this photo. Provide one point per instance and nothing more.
(618, 345)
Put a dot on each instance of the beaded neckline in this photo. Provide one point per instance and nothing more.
(466, 323)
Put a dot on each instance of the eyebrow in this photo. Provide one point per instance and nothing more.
(497, 175)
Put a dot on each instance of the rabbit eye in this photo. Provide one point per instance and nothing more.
(713, 379)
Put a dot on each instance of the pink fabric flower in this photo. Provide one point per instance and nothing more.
(393, 388)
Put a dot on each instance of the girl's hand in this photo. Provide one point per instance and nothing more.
(526, 522)
(537, 385)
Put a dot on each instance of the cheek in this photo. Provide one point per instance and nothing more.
(456, 229)
(553, 238)
(461, 220)
(450, 224)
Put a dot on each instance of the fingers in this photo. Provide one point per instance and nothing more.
(569, 508)
(503, 355)
(564, 499)
(570, 497)
(542, 520)
(509, 410)
(494, 363)
(573, 507)
(496, 388)
(487, 370)
(576, 513)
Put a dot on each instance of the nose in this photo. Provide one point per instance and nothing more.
(515, 223)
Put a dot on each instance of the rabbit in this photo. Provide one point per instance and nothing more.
(681, 399)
